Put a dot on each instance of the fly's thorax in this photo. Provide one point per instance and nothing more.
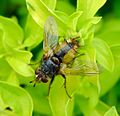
(50, 67)
(45, 67)
(55, 60)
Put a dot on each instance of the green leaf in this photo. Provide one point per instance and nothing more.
(111, 112)
(87, 98)
(67, 7)
(50, 3)
(17, 99)
(39, 94)
(33, 33)
(12, 78)
(12, 40)
(89, 7)
(111, 77)
(13, 34)
(103, 110)
(22, 55)
(87, 25)
(58, 98)
(4, 72)
(115, 50)
(108, 34)
(100, 109)
(104, 54)
(7, 113)
(2, 50)
(20, 66)
(70, 20)
(111, 37)
(73, 19)
(60, 103)
(62, 15)
(40, 12)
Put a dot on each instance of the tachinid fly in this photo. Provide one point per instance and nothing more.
(57, 56)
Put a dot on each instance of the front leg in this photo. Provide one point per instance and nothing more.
(51, 81)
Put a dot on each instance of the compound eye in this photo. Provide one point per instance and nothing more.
(55, 60)
(44, 80)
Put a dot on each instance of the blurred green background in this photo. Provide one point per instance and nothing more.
(9, 8)
(110, 11)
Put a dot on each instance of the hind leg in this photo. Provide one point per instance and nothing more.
(65, 85)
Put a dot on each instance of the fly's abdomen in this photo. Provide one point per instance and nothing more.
(62, 52)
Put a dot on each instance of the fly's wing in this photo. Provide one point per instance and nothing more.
(50, 34)
(83, 69)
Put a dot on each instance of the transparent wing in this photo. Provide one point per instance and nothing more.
(83, 69)
(50, 34)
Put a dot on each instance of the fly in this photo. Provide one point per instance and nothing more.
(56, 56)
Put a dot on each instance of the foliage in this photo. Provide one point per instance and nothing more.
(22, 46)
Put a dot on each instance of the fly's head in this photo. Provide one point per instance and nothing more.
(40, 77)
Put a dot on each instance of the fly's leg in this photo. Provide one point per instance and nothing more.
(50, 84)
(79, 56)
(65, 86)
